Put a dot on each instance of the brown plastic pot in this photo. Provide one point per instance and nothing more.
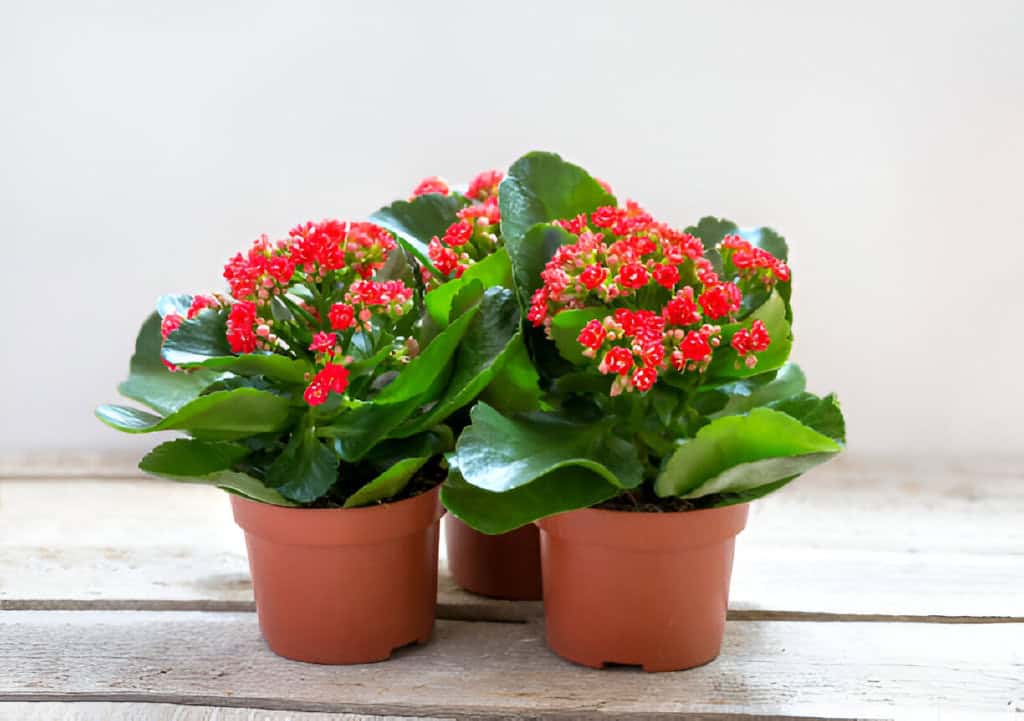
(642, 589)
(503, 566)
(343, 585)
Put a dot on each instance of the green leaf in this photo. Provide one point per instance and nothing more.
(566, 327)
(149, 382)
(197, 339)
(306, 469)
(493, 270)
(760, 390)
(500, 454)
(418, 220)
(418, 383)
(736, 453)
(541, 187)
(192, 461)
(222, 415)
(388, 484)
(821, 414)
(531, 253)
(480, 355)
(515, 387)
(726, 363)
(565, 489)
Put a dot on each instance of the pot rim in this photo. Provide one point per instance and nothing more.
(647, 530)
(364, 525)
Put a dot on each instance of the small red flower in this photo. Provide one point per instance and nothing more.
(681, 310)
(605, 216)
(695, 347)
(444, 259)
(644, 378)
(574, 225)
(458, 234)
(484, 185)
(754, 340)
(323, 342)
(538, 312)
(593, 275)
(433, 184)
(720, 299)
(334, 377)
(617, 360)
(200, 302)
(633, 275)
(170, 323)
(666, 276)
(341, 316)
(592, 335)
(282, 269)
(240, 322)
(316, 394)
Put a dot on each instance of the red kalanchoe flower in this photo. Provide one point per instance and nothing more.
(433, 184)
(458, 234)
(605, 216)
(720, 300)
(241, 319)
(695, 347)
(444, 259)
(573, 225)
(487, 212)
(616, 360)
(485, 185)
(200, 302)
(334, 377)
(170, 323)
(593, 275)
(281, 268)
(751, 341)
(341, 316)
(666, 276)
(681, 310)
(323, 342)
(592, 335)
(538, 312)
(644, 378)
(315, 394)
(633, 275)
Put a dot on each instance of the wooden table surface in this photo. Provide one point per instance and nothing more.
(867, 589)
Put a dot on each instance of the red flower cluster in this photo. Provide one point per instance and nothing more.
(473, 236)
(621, 252)
(753, 262)
(433, 184)
(333, 377)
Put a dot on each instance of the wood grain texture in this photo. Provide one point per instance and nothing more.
(113, 711)
(849, 540)
(826, 670)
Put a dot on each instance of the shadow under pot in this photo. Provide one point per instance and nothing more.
(342, 586)
(504, 566)
(640, 589)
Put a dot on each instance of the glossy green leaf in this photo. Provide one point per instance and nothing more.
(151, 383)
(388, 484)
(418, 220)
(515, 387)
(193, 461)
(565, 489)
(821, 414)
(479, 357)
(199, 338)
(499, 454)
(306, 469)
(727, 363)
(494, 270)
(566, 327)
(529, 255)
(736, 453)
(746, 393)
(221, 415)
(541, 187)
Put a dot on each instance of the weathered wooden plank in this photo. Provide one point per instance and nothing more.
(849, 540)
(121, 711)
(787, 669)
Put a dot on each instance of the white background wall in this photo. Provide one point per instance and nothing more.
(140, 147)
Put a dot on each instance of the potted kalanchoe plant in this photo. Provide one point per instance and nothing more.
(318, 392)
(669, 406)
(456, 234)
